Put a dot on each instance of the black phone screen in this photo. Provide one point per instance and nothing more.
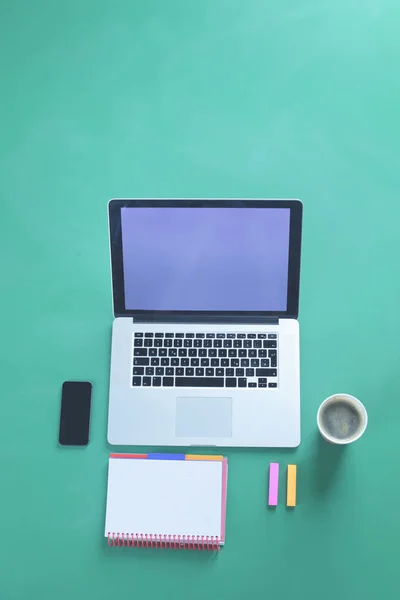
(75, 413)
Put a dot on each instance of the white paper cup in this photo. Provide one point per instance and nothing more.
(352, 403)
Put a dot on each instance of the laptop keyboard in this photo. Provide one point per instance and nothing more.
(243, 360)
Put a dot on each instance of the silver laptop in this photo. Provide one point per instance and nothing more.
(205, 341)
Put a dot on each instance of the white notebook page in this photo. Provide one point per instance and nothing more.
(164, 497)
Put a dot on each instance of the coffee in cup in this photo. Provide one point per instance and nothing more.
(342, 419)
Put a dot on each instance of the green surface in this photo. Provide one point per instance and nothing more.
(208, 98)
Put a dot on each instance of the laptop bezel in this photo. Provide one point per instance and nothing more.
(118, 288)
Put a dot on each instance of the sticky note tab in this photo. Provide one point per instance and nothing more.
(291, 485)
(273, 484)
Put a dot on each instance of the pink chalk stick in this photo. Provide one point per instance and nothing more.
(273, 484)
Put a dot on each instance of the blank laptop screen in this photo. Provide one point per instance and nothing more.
(205, 259)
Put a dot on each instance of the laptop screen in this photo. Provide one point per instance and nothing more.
(205, 259)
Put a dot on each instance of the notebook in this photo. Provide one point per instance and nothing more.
(166, 501)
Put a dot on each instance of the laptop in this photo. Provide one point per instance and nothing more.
(205, 340)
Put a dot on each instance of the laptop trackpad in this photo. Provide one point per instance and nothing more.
(203, 417)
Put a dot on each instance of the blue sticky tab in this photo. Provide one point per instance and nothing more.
(155, 456)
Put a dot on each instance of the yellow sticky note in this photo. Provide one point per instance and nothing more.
(291, 485)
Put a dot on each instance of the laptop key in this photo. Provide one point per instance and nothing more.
(231, 335)
(153, 351)
(194, 362)
(273, 361)
(188, 343)
(271, 353)
(138, 342)
(212, 352)
(237, 344)
(209, 372)
(251, 336)
(171, 352)
(241, 336)
(207, 343)
(245, 362)
(167, 343)
(155, 362)
(189, 372)
(169, 371)
(220, 335)
(146, 381)
(210, 335)
(234, 362)
(160, 371)
(149, 370)
(269, 344)
(214, 362)
(140, 352)
(165, 362)
(200, 372)
(255, 362)
(230, 382)
(179, 371)
(252, 384)
(219, 372)
(136, 381)
(239, 372)
(137, 335)
(261, 336)
(242, 352)
(272, 384)
(158, 343)
(222, 353)
(179, 335)
(265, 372)
(264, 362)
(224, 362)
(200, 335)
(242, 382)
(182, 352)
(141, 361)
(230, 372)
(228, 344)
(168, 381)
(184, 362)
(159, 335)
(199, 382)
(204, 362)
(189, 335)
(156, 381)
(193, 352)
(174, 362)
(272, 336)
(138, 370)
(257, 344)
(197, 343)
(178, 343)
(148, 343)
(249, 372)
(169, 335)
(148, 335)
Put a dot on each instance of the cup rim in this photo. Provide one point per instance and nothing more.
(351, 399)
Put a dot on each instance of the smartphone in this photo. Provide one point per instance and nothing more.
(76, 398)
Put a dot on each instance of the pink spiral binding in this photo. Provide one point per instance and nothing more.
(175, 542)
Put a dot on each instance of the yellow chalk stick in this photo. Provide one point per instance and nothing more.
(291, 485)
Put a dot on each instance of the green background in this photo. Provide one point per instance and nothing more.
(213, 98)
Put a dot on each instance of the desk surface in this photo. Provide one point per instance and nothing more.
(214, 98)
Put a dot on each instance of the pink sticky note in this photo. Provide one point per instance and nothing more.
(273, 484)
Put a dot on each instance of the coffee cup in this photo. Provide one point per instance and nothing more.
(342, 419)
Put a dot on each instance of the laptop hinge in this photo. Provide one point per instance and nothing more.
(220, 319)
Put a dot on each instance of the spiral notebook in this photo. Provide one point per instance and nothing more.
(166, 501)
